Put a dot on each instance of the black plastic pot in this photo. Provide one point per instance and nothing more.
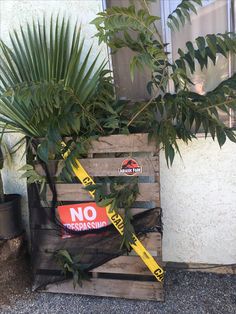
(10, 217)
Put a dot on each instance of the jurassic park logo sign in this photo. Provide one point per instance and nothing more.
(130, 167)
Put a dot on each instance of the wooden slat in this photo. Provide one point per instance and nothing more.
(76, 192)
(133, 277)
(130, 143)
(200, 267)
(121, 143)
(124, 265)
(152, 242)
(106, 167)
(112, 288)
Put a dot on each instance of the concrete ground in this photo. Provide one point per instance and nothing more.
(186, 292)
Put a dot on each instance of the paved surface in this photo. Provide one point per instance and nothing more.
(192, 293)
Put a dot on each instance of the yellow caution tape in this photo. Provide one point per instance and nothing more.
(117, 221)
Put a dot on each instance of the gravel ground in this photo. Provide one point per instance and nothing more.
(192, 293)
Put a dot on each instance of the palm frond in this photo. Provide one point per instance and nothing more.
(48, 78)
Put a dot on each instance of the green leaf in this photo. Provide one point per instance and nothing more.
(231, 135)
(43, 151)
(180, 16)
(182, 12)
(65, 254)
(105, 202)
(132, 66)
(222, 45)
(190, 48)
(190, 62)
(174, 20)
(221, 137)
(201, 45)
(212, 43)
(169, 153)
(199, 2)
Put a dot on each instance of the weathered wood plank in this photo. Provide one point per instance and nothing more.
(107, 167)
(118, 265)
(133, 276)
(76, 192)
(128, 289)
(200, 267)
(153, 243)
(123, 143)
(125, 265)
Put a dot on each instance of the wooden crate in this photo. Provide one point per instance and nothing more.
(121, 276)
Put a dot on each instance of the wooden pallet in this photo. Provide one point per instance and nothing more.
(122, 276)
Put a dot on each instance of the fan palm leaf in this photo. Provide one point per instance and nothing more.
(45, 56)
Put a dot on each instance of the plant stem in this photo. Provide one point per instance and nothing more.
(2, 196)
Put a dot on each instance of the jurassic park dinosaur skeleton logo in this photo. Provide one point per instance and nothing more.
(130, 167)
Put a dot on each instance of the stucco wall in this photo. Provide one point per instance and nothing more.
(198, 196)
(198, 193)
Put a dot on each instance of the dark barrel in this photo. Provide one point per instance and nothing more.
(10, 217)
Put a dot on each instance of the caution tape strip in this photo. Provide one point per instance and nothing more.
(117, 221)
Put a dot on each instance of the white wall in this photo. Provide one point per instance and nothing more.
(16, 12)
(198, 197)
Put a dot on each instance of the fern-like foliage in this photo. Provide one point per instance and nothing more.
(128, 27)
(204, 49)
(33, 177)
(180, 115)
(182, 13)
(52, 87)
(71, 265)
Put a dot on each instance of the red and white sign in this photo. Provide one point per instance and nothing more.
(130, 167)
(83, 216)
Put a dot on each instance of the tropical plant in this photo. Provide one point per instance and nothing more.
(52, 88)
(32, 176)
(51, 85)
(179, 115)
